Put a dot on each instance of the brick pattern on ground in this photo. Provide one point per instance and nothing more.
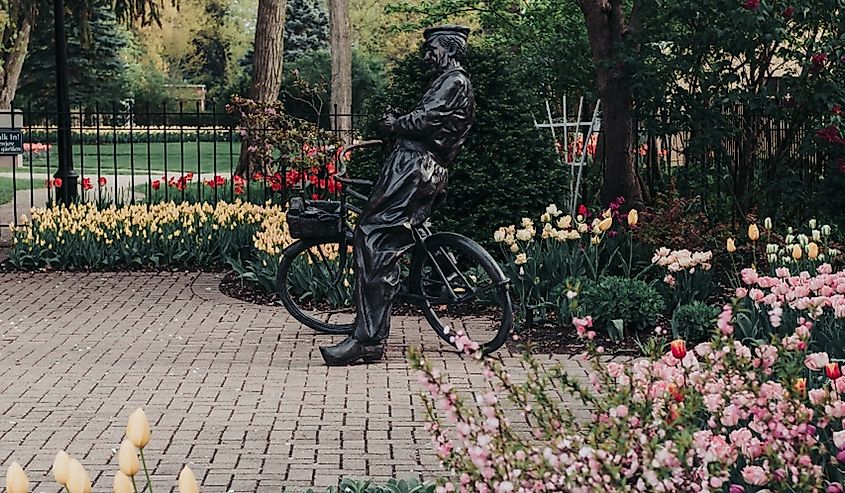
(237, 391)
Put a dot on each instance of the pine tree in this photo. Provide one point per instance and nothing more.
(306, 27)
(96, 75)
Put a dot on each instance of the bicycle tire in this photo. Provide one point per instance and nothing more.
(499, 285)
(321, 324)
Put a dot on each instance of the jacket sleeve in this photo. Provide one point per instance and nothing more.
(435, 108)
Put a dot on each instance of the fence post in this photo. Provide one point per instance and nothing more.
(69, 178)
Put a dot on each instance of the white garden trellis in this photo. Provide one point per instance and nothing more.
(575, 159)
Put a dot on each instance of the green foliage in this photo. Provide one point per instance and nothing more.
(694, 322)
(617, 298)
(548, 38)
(545, 260)
(701, 73)
(392, 486)
(506, 168)
(315, 282)
(209, 61)
(273, 135)
(307, 82)
(96, 73)
(306, 87)
(306, 28)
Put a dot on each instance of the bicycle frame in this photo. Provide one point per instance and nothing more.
(419, 234)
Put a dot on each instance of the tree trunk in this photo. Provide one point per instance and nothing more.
(341, 48)
(606, 28)
(267, 61)
(10, 70)
(269, 48)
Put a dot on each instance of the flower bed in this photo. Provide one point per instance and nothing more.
(139, 236)
(730, 415)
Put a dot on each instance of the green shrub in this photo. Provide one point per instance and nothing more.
(693, 322)
(613, 298)
(506, 169)
(392, 486)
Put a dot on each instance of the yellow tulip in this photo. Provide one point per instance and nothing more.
(605, 223)
(812, 250)
(138, 429)
(753, 232)
(16, 480)
(796, 252)
(127, 458)
(122, 483)
(187, 481)
(633, 217)
(77, 479)
(731, 246)
(60, 466)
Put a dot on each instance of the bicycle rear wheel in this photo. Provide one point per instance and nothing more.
(315, 283)
(463, 289)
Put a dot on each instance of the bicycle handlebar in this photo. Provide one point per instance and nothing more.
(343, 150)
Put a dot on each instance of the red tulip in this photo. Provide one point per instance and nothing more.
(102, 181)
(833, 371)
(57, 182)
(156, 184)
(86, 184)
(679, 348)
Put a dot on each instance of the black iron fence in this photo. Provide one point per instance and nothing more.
(125, 155)
(743, 166)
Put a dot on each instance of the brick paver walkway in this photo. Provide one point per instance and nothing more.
(237, 391)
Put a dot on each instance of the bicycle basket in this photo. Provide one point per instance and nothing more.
(314, 218)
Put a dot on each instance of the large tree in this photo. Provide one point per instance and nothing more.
(16, 29)
(266, 61)
(613, 33)
(341, 50)
(15, 32)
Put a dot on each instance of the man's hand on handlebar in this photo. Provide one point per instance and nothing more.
(388, 119)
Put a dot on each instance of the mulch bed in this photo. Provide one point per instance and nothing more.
(548, 338)
(553, 339)
(251, 292)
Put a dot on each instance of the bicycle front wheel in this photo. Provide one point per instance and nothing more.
(315, 283)
(463, 289)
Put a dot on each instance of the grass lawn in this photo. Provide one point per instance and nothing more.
(193, 156)
(7, 189)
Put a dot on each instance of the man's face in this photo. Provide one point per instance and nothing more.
(437, 55)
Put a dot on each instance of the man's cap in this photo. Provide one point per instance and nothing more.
(450, 29)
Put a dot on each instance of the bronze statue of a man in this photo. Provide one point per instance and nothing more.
(412, 178)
